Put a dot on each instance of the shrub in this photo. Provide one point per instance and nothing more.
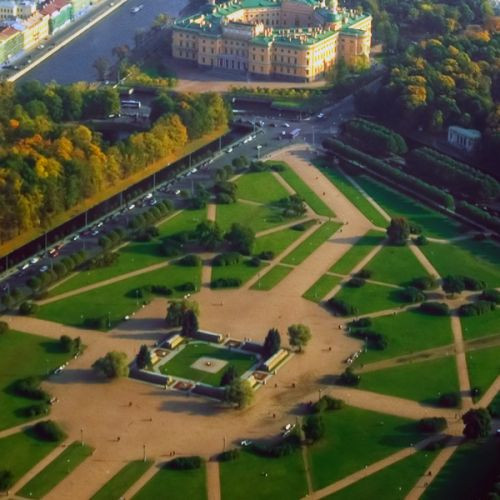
(227, 456)
(161, 290)
(30, 388)
(435, 308)
(314, 428)
(415, 228)
(100, 323)
(348, 378)
(103, 260)
(225, 283)
(361, 322)
(6, 479)
(266, 255)
(421, 240)
(286, 446)
(453, 284)
(364, 273)
(374, 340)
(412, 295)
(473, 283)
(491, 295)
(254, 262)
(224, 198)
(226, 259)
(4, 327)
(341, 308)
(424, 283)
(48, 430)
(171, 247)
(186, 287)
(449, 400)
(189, 261)
(476, 308)
(327, 403)
(185, 463)
(432, 424)
(27, 308)
(35, 410)
(355, 282)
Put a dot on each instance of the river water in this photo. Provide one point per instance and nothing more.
(74, 62)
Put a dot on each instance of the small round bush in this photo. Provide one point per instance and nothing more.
(365, 274)
(361, 322)
(491, 295)
(185, 463)
(435, 308)
(432, 424)
(227, 456)
(48, 430)
(355, 282)
(189, 261)
(266, 255)
(27, 308)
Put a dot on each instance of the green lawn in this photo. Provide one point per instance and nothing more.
(409, 332)
(370, 297)
(355, 438)
(245, 478)
(392, 483)
(243, 270)
(258, 217)
(357, 252)
(484, 367)
(321, 288)
(122, 480)
(311, 243)
(117, 299)
(477, 259)
(399, 204)
(421, 381)
(38, 356)
(301, 188)
(480, 326)
(180, 364)
(276, 242)
(261, 187)
(355, 196)
(272, 278)
(468, 474)
(135, 255)
(175, 485)
(22, 451)
(61, 467)
(395, 264)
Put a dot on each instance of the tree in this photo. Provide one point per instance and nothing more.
(313, 427)
(453, 284)
(189, 323)
(240, 393)
(6, 479)
(143, 358)
(66, 343)
(48, 430)
(101, 65)
(477, 423)
(398, 231)
(299, 335)
(229, 376)
(113, 365)
(177, 308)
(272, 343)
(241, 238)
(208, 234)
(4, 327)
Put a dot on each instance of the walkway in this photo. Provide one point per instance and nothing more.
(213, 480)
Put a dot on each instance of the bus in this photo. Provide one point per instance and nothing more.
(130, 104)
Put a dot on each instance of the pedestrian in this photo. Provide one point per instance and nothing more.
(130, 403)
(118, 438)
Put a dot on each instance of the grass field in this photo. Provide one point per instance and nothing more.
(311, 243)
(258, 217)
(321, 288)
(358, 252)
(469, 473)
(301, 188)
(355, 438)
(408, 332)
(480, 326)
(395, 264)
(421, 381)
(117, 299)
(399, 204)
(244, 478)
(243, 270)
(272, 278)
(392, 483)
(135, 255)
(39, 356)
(276, 242)
(175, 485)
(370, 297)
(180, 365)
(61, 467)
(261, 187)
(122, 480)
(20, 452)
(484, 367)
(355, 196)
(480, 260)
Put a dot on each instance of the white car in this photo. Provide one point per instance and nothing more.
(34, 260)
(76, 237)
(194, 170)
(131, 207)
(246, 442)
(44, 268)
(320, 116)
(148, 196)
(259, 146)
(286, 125)
(229, 150)
(95, 233)
(24, 267)
(178, 192)
(100, 224)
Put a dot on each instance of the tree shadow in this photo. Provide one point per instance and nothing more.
(52, 347)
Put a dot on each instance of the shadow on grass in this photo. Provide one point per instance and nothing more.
(53, 347)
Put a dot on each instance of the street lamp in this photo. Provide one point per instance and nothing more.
(144, 452)
(81, 437)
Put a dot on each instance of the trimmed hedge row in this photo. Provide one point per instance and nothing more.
(478, 215)
(383, 168)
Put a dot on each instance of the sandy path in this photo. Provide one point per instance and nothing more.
(213, 480)
(490, 394)
(212, 212)
(462, 371)
(424, 261)
(283, 183)
(137, 486)
(276, 229)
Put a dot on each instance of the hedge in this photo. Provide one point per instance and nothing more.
(374, 340)
(342, 308)
(185, 463)
(48, 431)
(435, 308)
(478, 215)
(432, 424)
(226, 259)
(476, 308)
(225, 283)
(383, 168)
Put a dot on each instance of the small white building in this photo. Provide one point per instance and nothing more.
(466, 139)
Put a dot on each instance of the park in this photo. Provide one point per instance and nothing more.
(374, 342)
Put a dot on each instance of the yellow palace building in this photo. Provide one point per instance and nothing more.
(284, 39)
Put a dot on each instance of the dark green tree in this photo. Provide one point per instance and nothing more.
(189, 323)
(299, 335)
(6, 479)
(453, 284)
(208, 234)
(398, 231)
(230, 374)
(113, 365)
(239, 393)
(477, 423)
(241, 238)
(272, 343)
(313, 427)
(143, 358)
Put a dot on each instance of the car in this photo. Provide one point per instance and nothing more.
(259, 146)
(229, 150)
(148, 196)
(246, 442)
(95, 232)
(131, 207)
(288, 427)
(320, 116)
(194, 170)
(76, 237)
(178, 192)
(34, 260)
(100, 224)
(44, 269)
(286, 125)
(24, 267)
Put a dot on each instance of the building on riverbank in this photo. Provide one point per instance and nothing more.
(296, 40)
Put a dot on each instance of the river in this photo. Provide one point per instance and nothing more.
(73, 63)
